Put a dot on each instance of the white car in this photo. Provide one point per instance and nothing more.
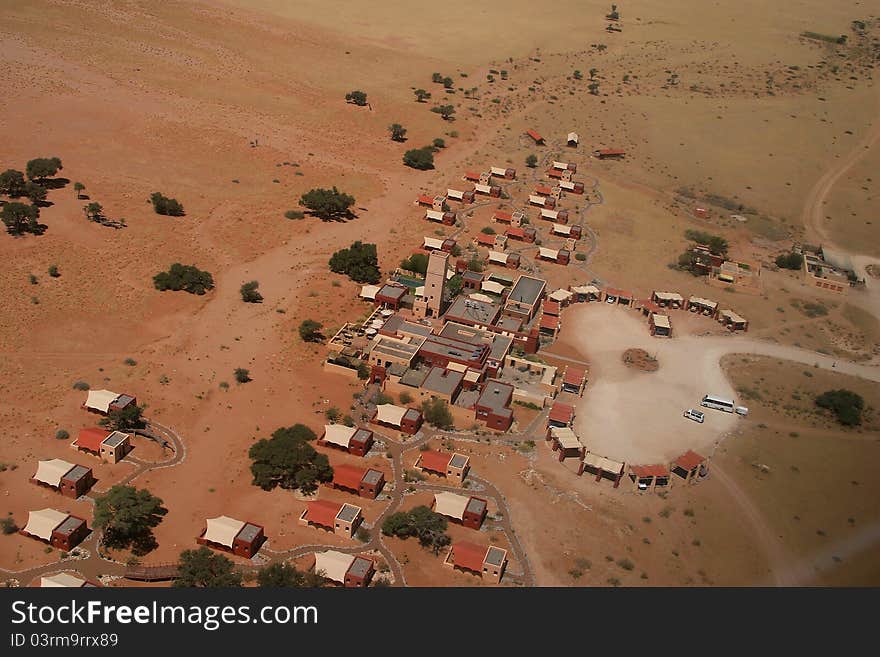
(696, 416)
(610, 300)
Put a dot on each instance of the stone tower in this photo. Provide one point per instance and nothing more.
(430, 305)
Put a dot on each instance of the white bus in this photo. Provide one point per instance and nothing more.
(718, 403)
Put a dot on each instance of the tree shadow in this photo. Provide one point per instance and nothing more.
(342, 217)
(54, 183)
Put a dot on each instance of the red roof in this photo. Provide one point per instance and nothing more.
(554, 173)
(322, 512)
(642, 471)
(515, 231)
(560, 412)
(574, 375)
(348, 476)
(614, 292)
(689, 460)
(435, 461)
(91, 438)
(426, 200)
(469, 555)
(504, 216)
(612, 151)
(489, 240)
(549, 322)
(647, 304)
(534, 135)
(543, 189)
(470, 175)
(551, 307)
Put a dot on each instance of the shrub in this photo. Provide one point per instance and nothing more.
(327, 203)
(419, 158)
(405, 398)
(790, 260)
(53, 271)
(445, 111)
(398, 132)
(80, 385)
(359, 98)
(131, 362)
(62, 434)
(846, 405)
(43, 167)
(294, 214)
(580, 256)
(333, 414)
(8, 526)
(166, 206)
(310, 331)
(249, 293)
(487, 230)
(437, 413)
(242, 375)
(532, 161)
(439, 143)
(417, 262)
(359, 262)
(184, 277)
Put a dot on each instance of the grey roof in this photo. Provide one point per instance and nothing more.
(454, 349)
(69, 525)
(372, 476)
(444, 382)
(360, 566)
(476, 311)
(412, 414)
(391, 291)
(115, 439)
(395, 349)
(472, 276)
(413, 377)
(396, 323)
(527, 290)
(495, 396)
(361, 436)
(495, 556)
(348, 512)
(475, 505)
(76, 473)
(123, 400)
(458, 461)
(248, 532)
(500, 347)
(511, 324)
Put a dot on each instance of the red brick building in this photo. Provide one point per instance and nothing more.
(365, 482)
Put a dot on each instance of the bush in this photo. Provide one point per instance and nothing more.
(53, 271)
(417, 262)
(62, 434)
(81, 385)
(532, 161)
(327, 203)
(359, 262)
(437, 412)
(8, 526)
(717, 244)
(419, 158)
(294, 214)
(446, 111)
(249, 292)
(398, 132)
(166, 206)
(790, 261)
(405, 398)
(242, 375)
(310, 331)
(184, 277)
(423, 523)
(487, 230)
(580, 256)
(439, 143)
(43, 167)
(131, 362)
(845, 404)
(359, 98)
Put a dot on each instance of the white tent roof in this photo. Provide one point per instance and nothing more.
(334, 564)
(497, 256)
(733, 317)
(562, 229)
(50, 472)
(708, 303)
(369, 292)
(434, 215)
(41, 523)
(432, 243)
(493, 287)
(390, 414)
(454, 193)
(61, 580)
(560, 165)
(339, 434)
(566, 184)
(544, 252)
(602, 463)
(585, 289)
(537, 200)
(549, 214)
(100, 400)
(566, 437)
(661, 320)
(484, 189)
(476, 296)
(669, 296)
(572, 136)
(498, 171)
(223, 530)
(450, 504)
(561, 295)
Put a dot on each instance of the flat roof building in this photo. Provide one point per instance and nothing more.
(468, 511)
(341, 519)
(525, 296)
(354, 440)
(350, 570)
(487, 562)
(61, 530)
(405, 420)
(446, 464)
(68, 479)
(493, 405)
(364, 482)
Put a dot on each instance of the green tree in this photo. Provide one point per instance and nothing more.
(454, 285)
(593, 72)
(204, 568)
(288, 461)
(532, 161)
(127, 516)
(53, 271)
(422, 95)
(577, 75)
(327, 203)
(846, 405)
(417, 262)
(419, 158)
(594, 88)
(242, 375)
(94, 211)
(790, 260)
(487, 230)
(420, 522)
(398, 132)
(718, 245)
(448, 82)
(41, 168)
(184, 277)
(12, 183)
(20, 218)
(282, 575)
(249, 293)
(310, 331)
(439, 143)
(446, 111)
(357, 97)
(35, 192)
(78, 188)
(437, 78)
(437, 413)
(359, 262)
(126, 419)
(475, 264)
(166, 206)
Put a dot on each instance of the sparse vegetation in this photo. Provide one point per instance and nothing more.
(419, 158)
(358, 98)
(184, 277)
(310, 331)
(328, 204)
(242, 375)
(436, 412)
(249, 293)
(398, 132)
(421, 522)
(166, 206)
(359, 262)
(846, 405)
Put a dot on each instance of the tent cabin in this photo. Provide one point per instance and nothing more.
(243, 539)
(105, 401)
(514, 218)
(571, 186)
(586, 293)
(457, 195)
(732, 321)
(574, 380)
(559, 216)
(660, 326)
(57, 528)
(503, 172)
(450, 465)
(705, 307)
(649, 477)
(488, 562)
(565, 166)
(405, 420)
(467, 511)
(434, 202)
(603, 468)
(364, 482)
(68, 479)
(609, 153)
(522, 233)
(353, 440)
(447, 245)
(487, 190)
(564, 440)
(561, 230)
(542, 201)
(538, 139)
(560, 257)
(341, 519)
(350, 570)
(65, 580)
(690, 466)
(561, 415)
(445, 218)
(572, 139)
(509, 260)
(668, 299)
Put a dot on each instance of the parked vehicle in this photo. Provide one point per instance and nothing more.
(696, 416)
(741, 410)
(718, 403)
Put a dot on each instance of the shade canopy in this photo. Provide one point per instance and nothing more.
(51, 472)
(42, 523)
(223, 530)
